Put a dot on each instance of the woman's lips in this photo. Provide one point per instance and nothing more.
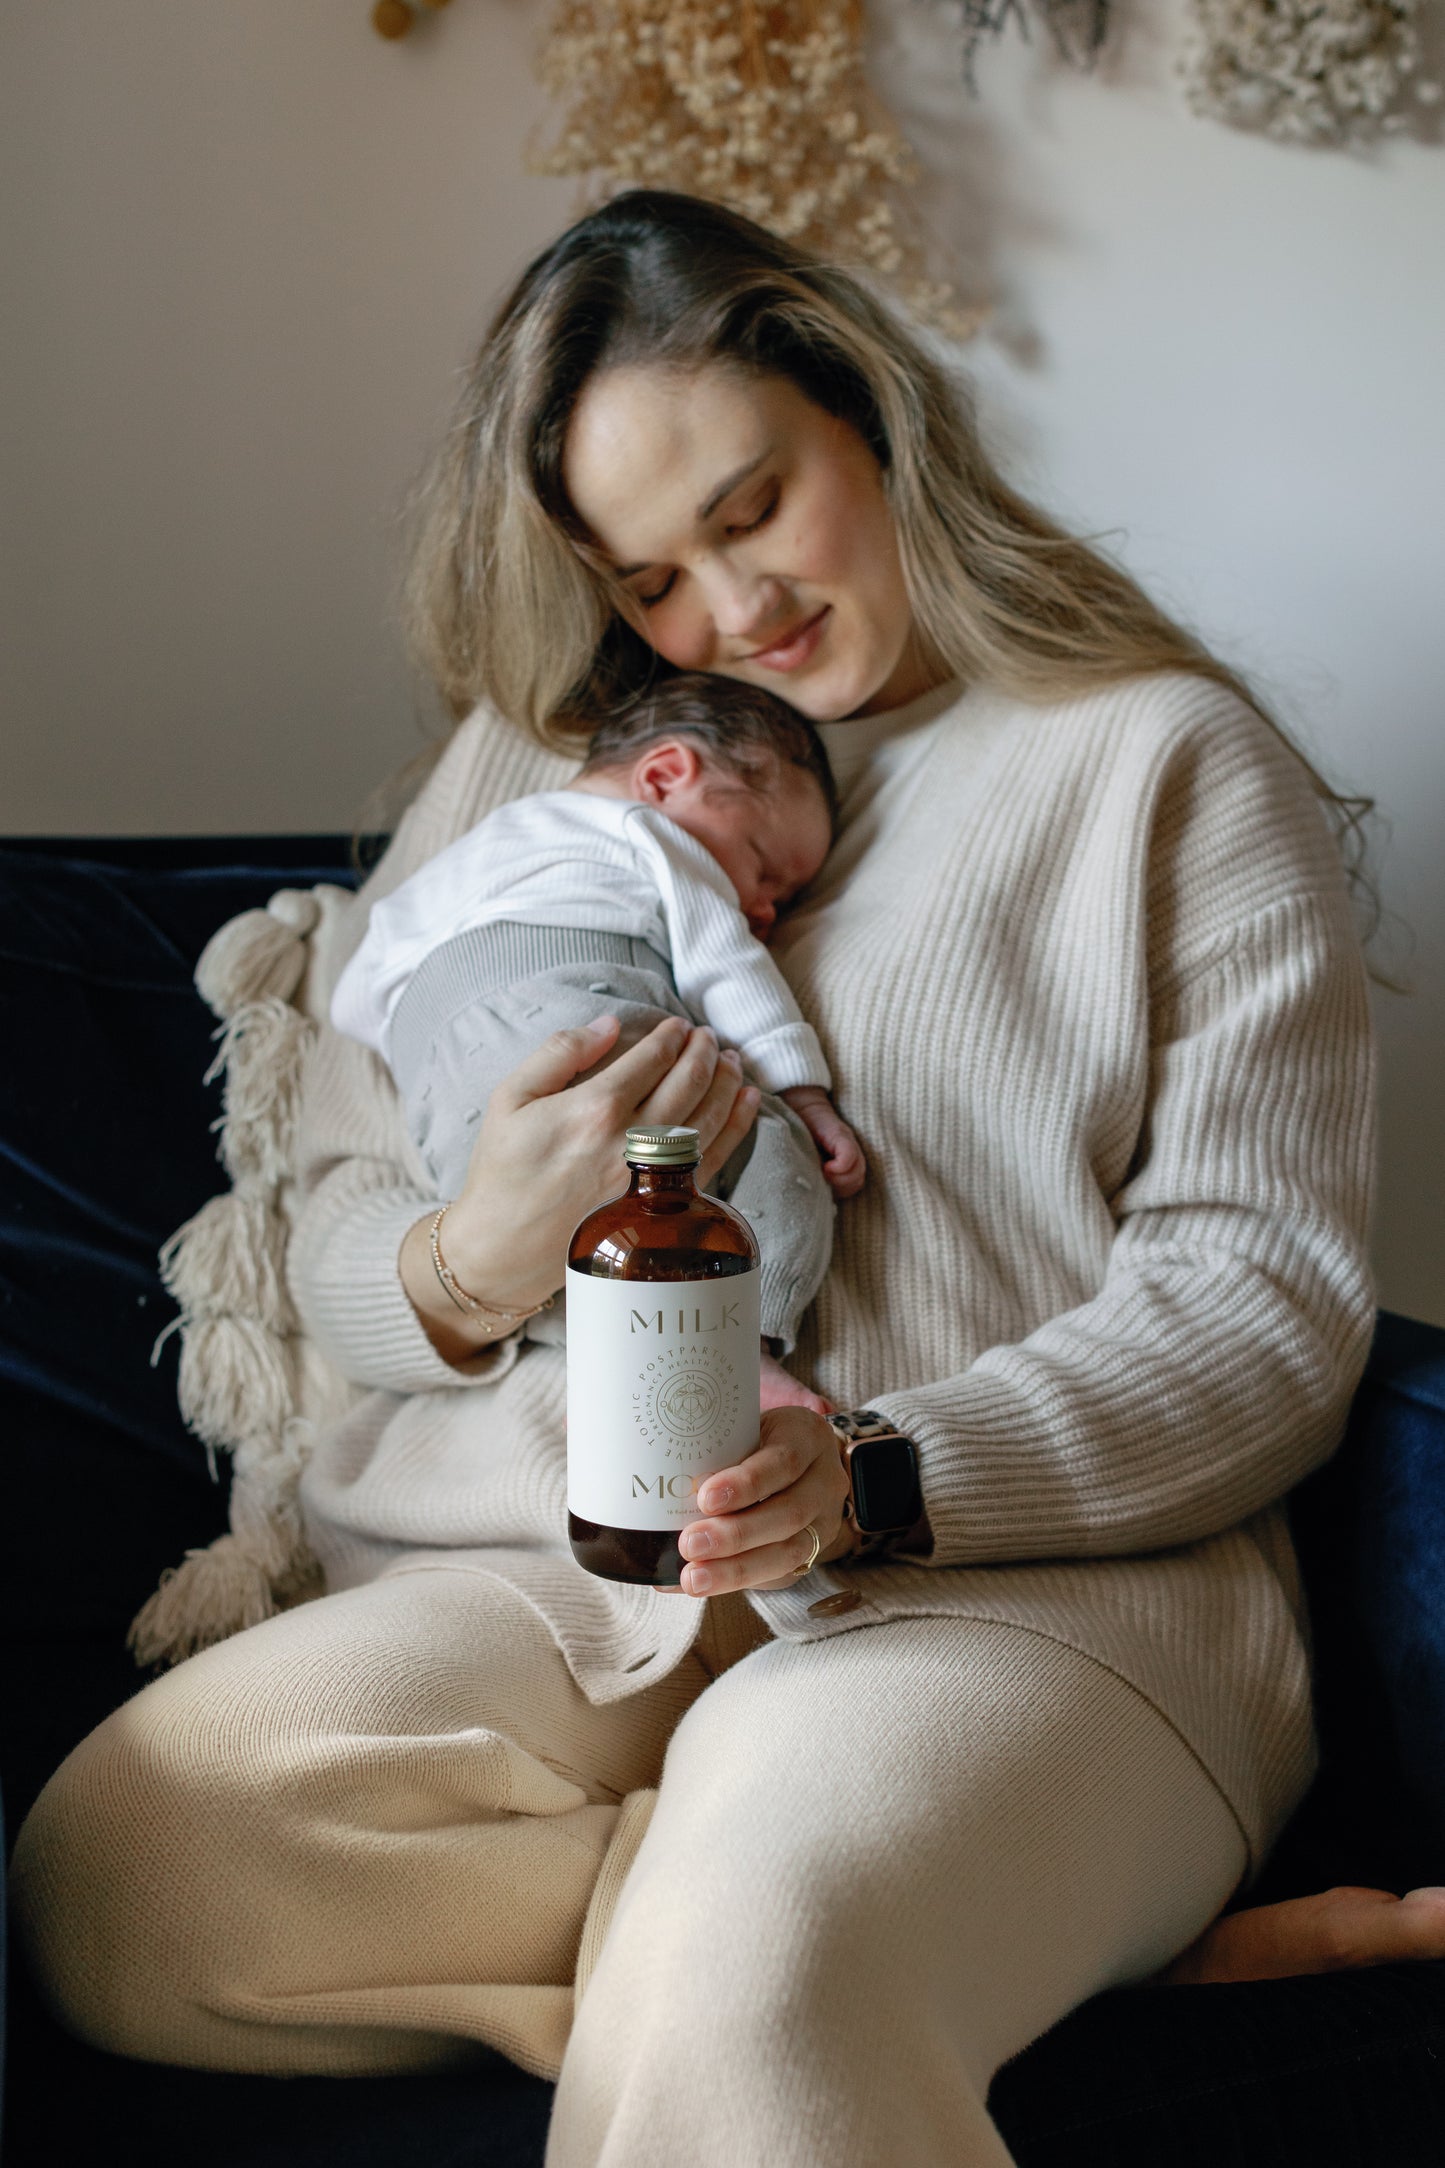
(789, 653)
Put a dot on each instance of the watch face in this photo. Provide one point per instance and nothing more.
(885, 1484)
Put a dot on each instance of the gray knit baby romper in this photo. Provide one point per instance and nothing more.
(483, 1001)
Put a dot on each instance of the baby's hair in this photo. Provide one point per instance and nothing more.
(738, 727)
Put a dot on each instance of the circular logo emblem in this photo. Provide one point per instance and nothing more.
(689, 1403)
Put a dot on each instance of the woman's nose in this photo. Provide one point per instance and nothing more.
(743, 606)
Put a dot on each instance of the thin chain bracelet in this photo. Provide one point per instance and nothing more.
(484, 1312)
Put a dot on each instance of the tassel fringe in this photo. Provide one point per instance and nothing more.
(266, 1501)
(241, 1354)
(209, 1596)
(233, 1383)
(259, 956)
(229, 1259)
(262, 1050)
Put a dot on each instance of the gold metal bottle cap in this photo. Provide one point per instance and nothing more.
(663, 1144)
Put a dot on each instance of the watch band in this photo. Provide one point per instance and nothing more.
(864, 1429)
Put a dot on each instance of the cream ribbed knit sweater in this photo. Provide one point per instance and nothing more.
(1087, 981)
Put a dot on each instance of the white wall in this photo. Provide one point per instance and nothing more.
(245, 248)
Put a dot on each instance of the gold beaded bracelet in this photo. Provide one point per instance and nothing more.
(484, 1313)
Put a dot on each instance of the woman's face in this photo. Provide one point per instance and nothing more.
(752, 532)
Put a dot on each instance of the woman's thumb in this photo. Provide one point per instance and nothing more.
(560, 1057)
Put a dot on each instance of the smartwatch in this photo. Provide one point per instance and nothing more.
(885, 1497)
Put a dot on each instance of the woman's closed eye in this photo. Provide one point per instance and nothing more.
(649, 600)
(751, 526)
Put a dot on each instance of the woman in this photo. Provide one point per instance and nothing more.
(756, 1884)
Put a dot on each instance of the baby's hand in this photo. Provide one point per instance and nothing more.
(780, 1389)
(843, 1163)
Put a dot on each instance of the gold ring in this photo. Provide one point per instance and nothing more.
(812, 1558)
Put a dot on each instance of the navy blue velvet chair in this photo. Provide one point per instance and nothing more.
(105, 1147)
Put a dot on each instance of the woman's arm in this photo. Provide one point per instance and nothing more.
(359, 1184)
(1213, 1369)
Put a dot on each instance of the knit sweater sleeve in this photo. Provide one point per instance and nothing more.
(360, 1194)
(1212, 1369)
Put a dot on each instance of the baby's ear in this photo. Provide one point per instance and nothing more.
(669, 765)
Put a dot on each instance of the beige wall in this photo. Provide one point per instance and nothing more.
(246, 245)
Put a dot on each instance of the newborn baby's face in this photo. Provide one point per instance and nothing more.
(770, 843)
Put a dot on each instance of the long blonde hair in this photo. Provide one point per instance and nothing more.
(507, 603)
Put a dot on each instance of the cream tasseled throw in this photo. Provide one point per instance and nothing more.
(241, 1344)
(1087, 981)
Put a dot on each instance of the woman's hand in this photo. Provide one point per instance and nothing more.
(545, 1157)
(758, 1513)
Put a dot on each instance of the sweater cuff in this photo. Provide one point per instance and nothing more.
(363, 1316)
(941, 1538)
(784, 1059)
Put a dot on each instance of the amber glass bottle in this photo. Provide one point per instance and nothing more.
(662, 1359)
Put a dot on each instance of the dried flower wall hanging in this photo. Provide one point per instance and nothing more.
(1327, 72)
(763, 107)
(1305, 71)
(1077, 27)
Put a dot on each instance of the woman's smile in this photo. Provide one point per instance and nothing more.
(794, 647)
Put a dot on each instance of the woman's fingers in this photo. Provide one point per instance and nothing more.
(557, 1060)
(724, 1119)
(631, 1083)
(771, 1565)
(682, 1089)
(758, 1513)
(754, 1529)
(636, 1075)
(545, 1156)
(674, 1073)
(666, 1077)
(790, 1440)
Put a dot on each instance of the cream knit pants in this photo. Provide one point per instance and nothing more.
(384, 1826)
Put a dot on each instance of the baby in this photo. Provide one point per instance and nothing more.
(646, 887)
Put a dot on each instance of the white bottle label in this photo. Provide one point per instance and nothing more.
(662, 1390)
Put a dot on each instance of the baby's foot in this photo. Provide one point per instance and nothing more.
(1332, 1931)
(780, 1389)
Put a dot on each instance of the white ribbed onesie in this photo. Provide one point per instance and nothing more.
(602, 865)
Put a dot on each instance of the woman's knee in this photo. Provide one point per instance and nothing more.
(125, 1871)
(760, 1907)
